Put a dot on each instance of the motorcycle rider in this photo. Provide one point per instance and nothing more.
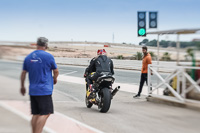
(98, 64)
(88, 72)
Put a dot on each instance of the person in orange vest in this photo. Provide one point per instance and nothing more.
(145, 61)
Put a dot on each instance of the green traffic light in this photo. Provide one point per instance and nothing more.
(142, 31)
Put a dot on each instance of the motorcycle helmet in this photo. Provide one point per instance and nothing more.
(101, 52)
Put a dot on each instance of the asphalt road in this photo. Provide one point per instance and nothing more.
(126, 115)
(121, 76)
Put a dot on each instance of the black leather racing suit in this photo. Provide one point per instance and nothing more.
(98, 65)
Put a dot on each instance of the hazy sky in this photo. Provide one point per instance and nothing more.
(92, 20)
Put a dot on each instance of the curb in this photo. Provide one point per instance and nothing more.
(187, 104)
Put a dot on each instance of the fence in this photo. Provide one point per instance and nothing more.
(184, 82)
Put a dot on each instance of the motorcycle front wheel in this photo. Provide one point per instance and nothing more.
(87, 102)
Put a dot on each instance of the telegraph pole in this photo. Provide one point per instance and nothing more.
(113, 38)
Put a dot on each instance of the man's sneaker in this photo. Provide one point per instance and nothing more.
(136, 96)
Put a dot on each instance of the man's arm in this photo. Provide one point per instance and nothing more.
(86, 72)
(55, 75)
(112, 68)
(91, 66)
(149, 62)
(23, 77)
(54, 68)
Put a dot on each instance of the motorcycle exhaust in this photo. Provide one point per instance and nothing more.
(115, 90)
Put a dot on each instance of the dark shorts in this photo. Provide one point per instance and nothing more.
(41, 105)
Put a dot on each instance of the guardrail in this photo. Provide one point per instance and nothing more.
(181, 87)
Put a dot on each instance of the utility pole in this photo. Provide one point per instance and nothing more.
(113, 38)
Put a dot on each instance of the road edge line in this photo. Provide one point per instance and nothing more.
(20, 114)
(80, 123)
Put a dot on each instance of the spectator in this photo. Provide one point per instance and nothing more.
(40, 64)
(145, 61)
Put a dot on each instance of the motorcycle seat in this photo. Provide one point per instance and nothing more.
(107, 78)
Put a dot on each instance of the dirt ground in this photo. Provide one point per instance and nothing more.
(69, 51)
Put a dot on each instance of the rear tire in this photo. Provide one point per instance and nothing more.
(105, 97)
(88, 103)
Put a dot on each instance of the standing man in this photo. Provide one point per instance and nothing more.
(145, 61)
(40, 64)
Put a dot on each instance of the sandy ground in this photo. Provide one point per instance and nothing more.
(8, 52)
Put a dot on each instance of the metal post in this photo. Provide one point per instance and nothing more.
(183, 83)
(177, 48)
(149, 79)
(158, 47)
(178, 82)
(158, 58)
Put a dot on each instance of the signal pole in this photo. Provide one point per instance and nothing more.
(113, 38)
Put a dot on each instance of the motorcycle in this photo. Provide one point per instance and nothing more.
(103, 93)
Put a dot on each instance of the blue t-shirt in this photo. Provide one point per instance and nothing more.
(39, 64)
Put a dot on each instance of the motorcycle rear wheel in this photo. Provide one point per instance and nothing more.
(105, 100)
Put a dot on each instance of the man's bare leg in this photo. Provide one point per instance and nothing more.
(33, 122)
(41, 120)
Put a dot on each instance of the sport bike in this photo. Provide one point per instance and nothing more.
(102, 93)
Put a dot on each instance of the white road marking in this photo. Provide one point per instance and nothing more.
(72, 97)
(69, 73)
(11, 61)
(28, 118)
(22, 115)
(71, 79)
(80, 123)
(64, 69)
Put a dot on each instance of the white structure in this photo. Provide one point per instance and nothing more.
(182, 76)
(172, 32)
